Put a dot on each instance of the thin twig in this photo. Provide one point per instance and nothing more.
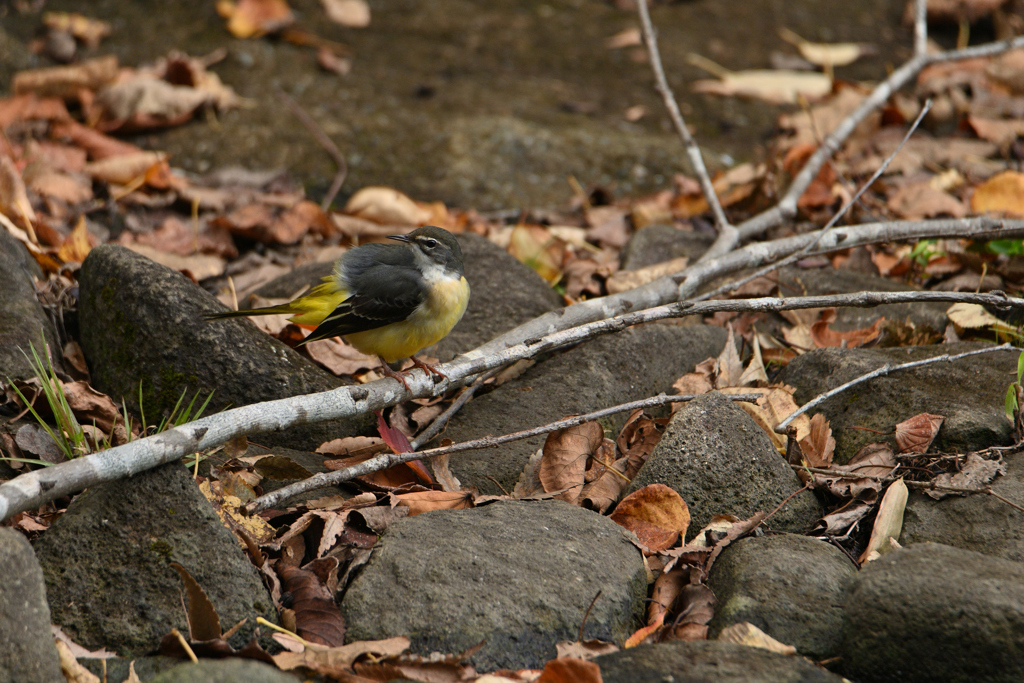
(884, 370)
(384, 461)
(920, 28)
(325, 142)
(811, 246)
(587, 614)
(728, 236)
(435, 427)
(783, 503)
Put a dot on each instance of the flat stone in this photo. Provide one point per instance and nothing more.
(791, 587)
(27, 652)
(707, 661)
(517, 575)
(930, 612)
(106, 563)
(978, 522)
(142, 322)
(974, 412)
(626, 366)
(721, 463)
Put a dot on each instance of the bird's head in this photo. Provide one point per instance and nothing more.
(435, 246)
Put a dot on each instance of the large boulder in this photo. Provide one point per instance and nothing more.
(517, 576)
(25, 323)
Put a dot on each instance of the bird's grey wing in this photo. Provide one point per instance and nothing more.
(382, 294)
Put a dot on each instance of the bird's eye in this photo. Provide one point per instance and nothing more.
(430, 243)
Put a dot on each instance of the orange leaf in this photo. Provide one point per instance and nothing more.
(1002, 193)
(564, 462)
(818, 447)
(824, 336)
(656, 514)
(419, 502)
(570, 670)
(77, 245)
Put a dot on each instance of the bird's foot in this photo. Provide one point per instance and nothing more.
(428, 368)
(394, 374)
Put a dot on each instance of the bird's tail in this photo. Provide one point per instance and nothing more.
(268, 310)
(310, 309)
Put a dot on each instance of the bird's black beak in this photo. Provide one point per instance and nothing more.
(400, 238)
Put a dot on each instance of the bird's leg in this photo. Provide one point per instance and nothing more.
(428, 368)
(394, 374)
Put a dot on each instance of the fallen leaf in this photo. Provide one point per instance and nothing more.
(922, 200)
(65, 82)
(253, 18)
(91, 406)
(745, 633)
(317, 617)
(419, 502)
(72, 670)
(350, 13)
(199, 266)
(888, 522)
(537, 248)
(625, 280)
(77, 245)
(125, 169)
(874, 460)
(565, 458)
(203, 620)
(656, 514)
(570, 670)
(586, 649)
(14, 201)
(776, 87)
(280, 468)
(1002, 193)
(85, 29)
(337, 661)
(975, 317)
(976, 473)
(915, 434)
(729, 367)
(837, 522)
(387, 206)
(818, 447)
(98, 145)
(1003, 132)
(629, 37)
(826, 54)
(340, 358)
(823, 336)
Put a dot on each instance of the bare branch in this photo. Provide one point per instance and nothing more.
(884, 370)
(386, 460)
(728, 237)
(920, 28)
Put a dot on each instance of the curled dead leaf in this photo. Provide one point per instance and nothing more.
(656, 514)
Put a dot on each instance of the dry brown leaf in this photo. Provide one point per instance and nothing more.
(570, 670)
(317, 617)
(77, 245)
(826, 54)
(586, 649)
(90, 406)
(629, 37)
(976, 473)
(340, 358)
(656, 514)
(601, 494)
(98, 145)
(823, 336)
(922, 200)
(350, 13)
(203, 620)
(337, 661)
(818, 447)
(536, 247)
(125, 169)
(1003, 132)
(352, 445)
(774, 406)
(1002, 193)
(253, 18)
(625, 280)
(564, 462)
(975, 317)
(838, 521)
(85, 29)
(754, 375)
(439, 466)
(888, 522)
(65, 82)
(776, 87)
(745, 633)
(729, 366)
(387, 206)
(915, 434)
(72, 670)
(692, 384)
(608, 226)
(14, 202)
(419, 502)
(874, 460)
(199, 266)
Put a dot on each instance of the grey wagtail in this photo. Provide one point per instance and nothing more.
(388, 300)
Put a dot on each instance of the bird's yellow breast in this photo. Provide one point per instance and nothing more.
(428, 324)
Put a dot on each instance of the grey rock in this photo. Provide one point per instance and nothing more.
(791, 587)
(225, 671)
(721, 463)
(974, 411)
(929, 612)
(503, 294)
(27, 652)
(106, 563)
(657, 243)
(25, 323)
(142, 322)
(287, 285)
(707, 661)
(626, 366)
(517, 575)
(980, 523)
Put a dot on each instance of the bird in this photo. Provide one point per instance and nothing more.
(387, 300)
